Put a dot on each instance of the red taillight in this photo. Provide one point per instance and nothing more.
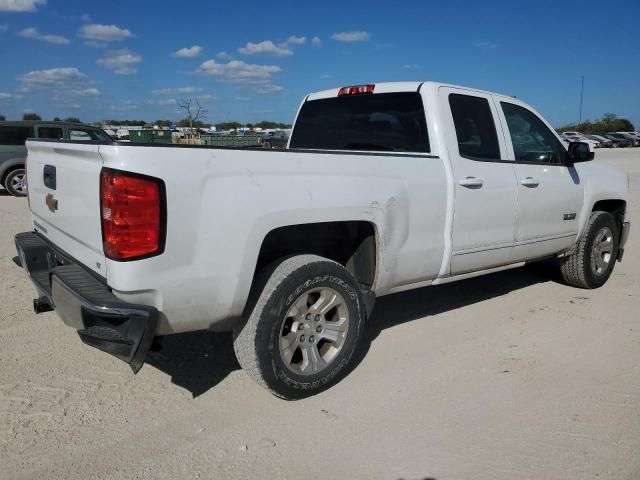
(131, 209)
(356, 90)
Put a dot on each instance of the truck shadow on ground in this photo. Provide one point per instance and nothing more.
(198, 361)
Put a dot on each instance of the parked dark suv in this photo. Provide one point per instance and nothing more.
(13, 152)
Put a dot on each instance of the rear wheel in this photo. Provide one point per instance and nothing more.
(592, 261)
(301, 334)
(16, 182)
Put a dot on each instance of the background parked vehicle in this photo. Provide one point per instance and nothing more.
(13, 152)
(625, 141)
(277, 139)
(579, 137)
(604, 141)
(631, 136)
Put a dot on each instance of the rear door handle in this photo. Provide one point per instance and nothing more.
(530, 182)
(471, 182)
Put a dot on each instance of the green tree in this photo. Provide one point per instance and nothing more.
(72, 120)
(57, 119)
(163, 123)
(31, 116)
(608, 123)
(2, 118)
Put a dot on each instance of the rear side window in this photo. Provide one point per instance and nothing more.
(54, 133)
(386, 122)
(475, 129)
(15, 135)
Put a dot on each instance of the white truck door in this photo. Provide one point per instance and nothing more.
(485, 195)
(550, 192)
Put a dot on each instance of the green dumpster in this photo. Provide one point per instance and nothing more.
(150, 136)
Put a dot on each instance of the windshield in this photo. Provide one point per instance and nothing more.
(392, 122)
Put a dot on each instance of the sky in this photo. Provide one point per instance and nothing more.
(249, 61)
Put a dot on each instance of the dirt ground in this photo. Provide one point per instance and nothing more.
(510, 376)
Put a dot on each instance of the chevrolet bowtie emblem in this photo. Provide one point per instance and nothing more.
(51, 202)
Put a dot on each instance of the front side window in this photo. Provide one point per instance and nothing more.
(532, 141)
(53, 133)
(391, 122)
(475, 128)
(15, 135)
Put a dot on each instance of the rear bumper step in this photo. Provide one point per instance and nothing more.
(86, 303)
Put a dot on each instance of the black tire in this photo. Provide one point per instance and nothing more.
(11, 181)
(257, 340)
(580, 268)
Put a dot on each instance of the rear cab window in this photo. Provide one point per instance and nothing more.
(382, 122)
(88, 135)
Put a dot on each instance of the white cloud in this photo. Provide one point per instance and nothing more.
(86, 18)
(104, 33)
(269, 89)
(326, 76)
(122, 62)
(484, 44)
(266, 48)
(162, 103)
(316, 42)
(191, 52)
(4, 27)
(34, 34)
(223, 55)
(176, 91)
(65, 76)
(351, 36)
(410, 66)
(88, 92)
(9, 96)
(207, 98)
(240, 73)
(293, 40)
(20, 5)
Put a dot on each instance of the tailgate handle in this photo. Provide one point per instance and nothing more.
(49, 176)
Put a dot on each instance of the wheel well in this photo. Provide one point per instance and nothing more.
(351, 243)
(614, 207)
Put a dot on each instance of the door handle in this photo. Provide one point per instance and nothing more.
(471, 182)
(530, 182)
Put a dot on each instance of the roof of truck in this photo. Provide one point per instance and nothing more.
(388, 87)
(33, 123)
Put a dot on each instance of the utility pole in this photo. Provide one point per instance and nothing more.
(581, 93)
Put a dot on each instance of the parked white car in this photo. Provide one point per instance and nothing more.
(579, 137)
(410, 185)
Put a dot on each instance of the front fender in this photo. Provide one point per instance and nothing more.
(603, 182)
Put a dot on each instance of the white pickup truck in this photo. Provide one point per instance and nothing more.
(382, 188)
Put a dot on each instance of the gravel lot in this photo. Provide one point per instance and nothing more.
(502, 377)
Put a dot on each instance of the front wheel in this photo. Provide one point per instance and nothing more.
(592, 261)
(16, 182)
(300, 336)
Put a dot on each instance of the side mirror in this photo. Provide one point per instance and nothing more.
(580, 152)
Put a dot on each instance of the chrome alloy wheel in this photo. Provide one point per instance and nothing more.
(314, 331)
(602, 251)
(19, 182)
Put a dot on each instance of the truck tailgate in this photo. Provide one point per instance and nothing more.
(64, 196)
